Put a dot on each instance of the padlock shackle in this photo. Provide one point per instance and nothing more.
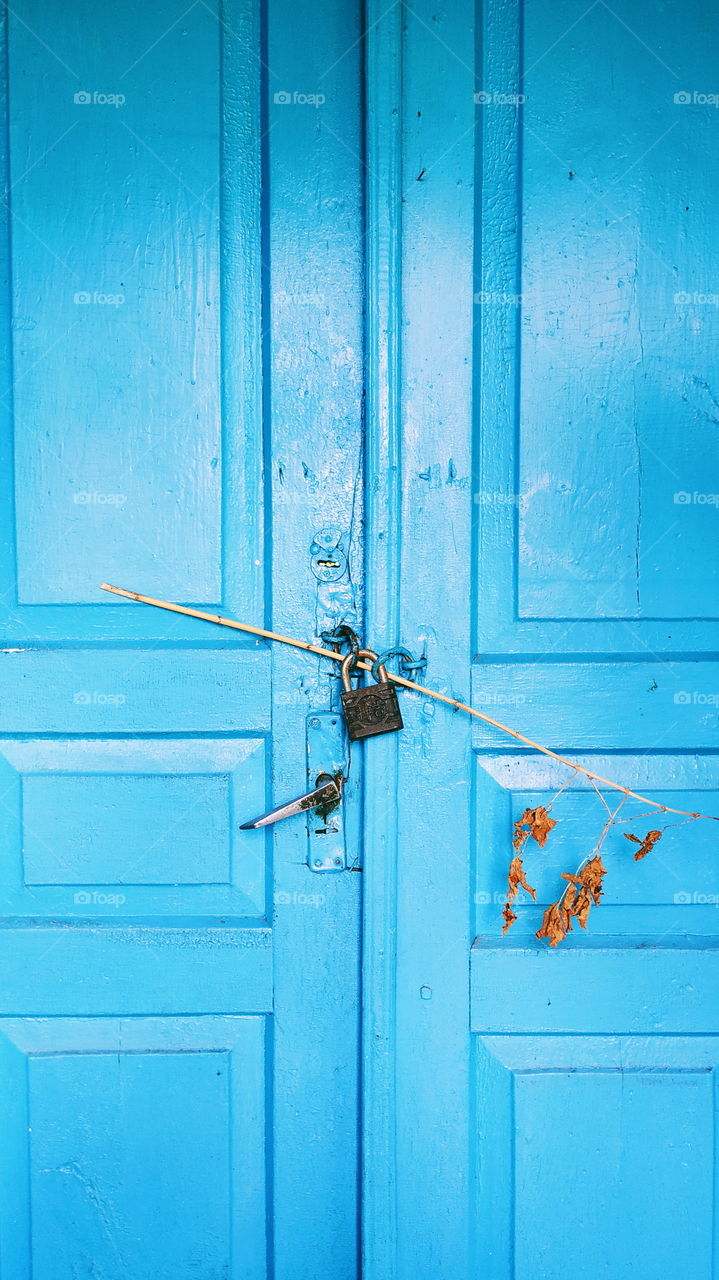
(350, 661)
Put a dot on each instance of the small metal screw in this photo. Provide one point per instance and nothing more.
(338, 862)
(314, 723)
(318, 862)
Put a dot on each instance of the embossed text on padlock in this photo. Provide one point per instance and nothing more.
(372, 708)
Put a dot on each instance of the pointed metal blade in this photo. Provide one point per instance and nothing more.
(327, 793)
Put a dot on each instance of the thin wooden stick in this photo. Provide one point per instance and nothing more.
(406, 684)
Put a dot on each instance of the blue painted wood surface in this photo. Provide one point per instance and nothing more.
(181, 398)
(558, 564)
(321, 272)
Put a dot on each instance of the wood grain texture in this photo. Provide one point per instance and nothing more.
(171, 386)
(594, 499)
(135, 372)
(381, 1155)
(118, 1153)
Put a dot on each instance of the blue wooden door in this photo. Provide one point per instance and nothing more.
(181, 408)
(541, 258)
(400, 317)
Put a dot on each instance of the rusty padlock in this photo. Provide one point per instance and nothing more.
(372, 708)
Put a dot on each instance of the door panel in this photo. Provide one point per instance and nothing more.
(179, 998)
(595, 520)
(549, 221)
(132, 827)
(673, 704)
(594, 1117)
(634, 1194)
(132, 383)
(673, 894)
(116, 1153)
(138, 281)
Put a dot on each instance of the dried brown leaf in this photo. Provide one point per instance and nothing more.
(567, 907)
(538, 825)
(517, 879)
(520, 837)
(582, 906)
(509, 917)
(646, 845)
(553, 925)
(592, 875)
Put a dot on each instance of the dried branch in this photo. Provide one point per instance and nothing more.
(405, 684)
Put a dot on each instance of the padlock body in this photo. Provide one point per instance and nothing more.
(371, 709)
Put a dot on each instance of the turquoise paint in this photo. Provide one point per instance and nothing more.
(181, 375)
(552, 405)
(466, 339)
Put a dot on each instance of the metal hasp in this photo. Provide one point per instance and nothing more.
(328, 791)
(326, 752)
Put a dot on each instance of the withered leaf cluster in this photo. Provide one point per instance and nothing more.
(535, 823)
(583, 891)
(646, 845)
(509, 917)
(516, 879)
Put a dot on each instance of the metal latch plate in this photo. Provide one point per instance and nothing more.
(326, 753)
